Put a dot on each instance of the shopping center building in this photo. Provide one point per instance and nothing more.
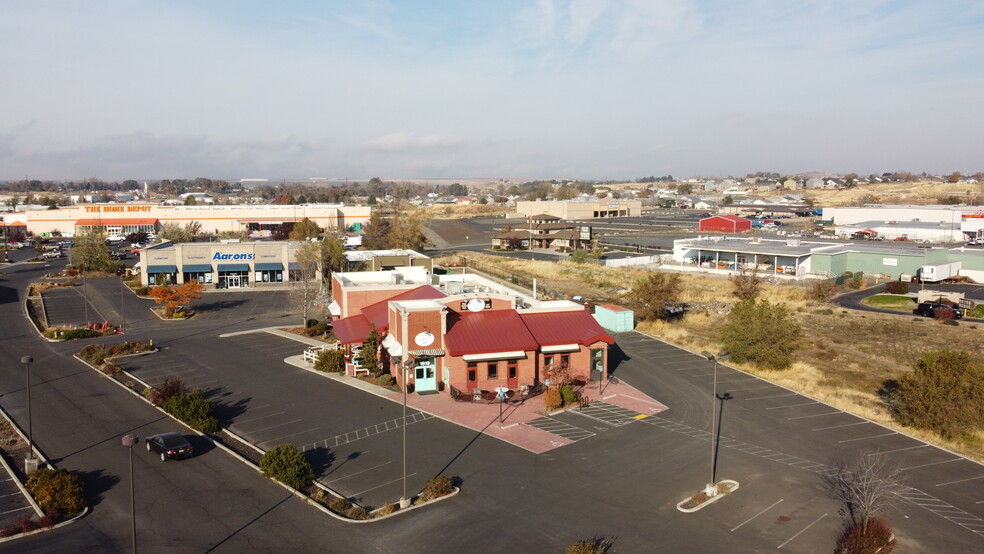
(226, 264)
(123, 219)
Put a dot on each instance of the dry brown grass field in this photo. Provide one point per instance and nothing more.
(846, 355)
(924, 192)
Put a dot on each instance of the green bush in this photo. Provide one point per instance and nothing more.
(385, 380)
(57, 491)
(195, 410)
(170, 388)
(80, 333)
(761, 333)
(310, 323)
(437, 487)
(286, 464)
(897, 287)
(567, 394)
(319, 328)
(945, 393)
(330, 361)
(552, 399)
(142, 291)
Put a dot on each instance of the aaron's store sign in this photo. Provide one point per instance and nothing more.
(222, 265)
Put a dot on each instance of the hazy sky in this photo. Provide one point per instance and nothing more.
(406, 89)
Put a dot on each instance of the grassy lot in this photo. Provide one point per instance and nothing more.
(891, 302)
(846, 355)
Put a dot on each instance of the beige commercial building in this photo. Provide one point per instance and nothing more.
(579, 209)
(224, 265)
(123, 219)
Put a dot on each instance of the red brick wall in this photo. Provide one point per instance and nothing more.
(458, 369)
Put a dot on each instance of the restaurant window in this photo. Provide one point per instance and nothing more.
(512, 370)
(493, 371)
(472, 375)
(548, 362)
(565, 361)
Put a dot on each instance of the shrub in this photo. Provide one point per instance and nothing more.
(310, 323)
(338, 505)
(858, 539)
(195, 410)
(897, 287)
(386, 380)
(330, 361)
(170, 388)
(951, 322)
(437, 487)
(319, 328)
(821, 291)
(357, 512)
(552, 399)
(9, 531)
(142, 291)
(27, 523)
(762, 333)
(80, 333)
(567, 394)
(57, 492)
(945, 393)
(286, 464)
(386, 510)
(596, 545)
(88, 351)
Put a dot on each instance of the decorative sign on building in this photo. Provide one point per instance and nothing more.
(476, 304)
(584, 232)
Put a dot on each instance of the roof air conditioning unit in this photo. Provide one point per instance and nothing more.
(396, 279)
(435, 280)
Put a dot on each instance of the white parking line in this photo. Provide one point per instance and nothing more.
(752, 388)
(792, 406)
(801, 532)
(866, 438)
(357, 473)
(274, 426)
(776, 396)
(758, 514)
(932, 464)
(960, 481)
(899, 449)
(281, 438)
(839, 426)
(814, 415)
(383, 485)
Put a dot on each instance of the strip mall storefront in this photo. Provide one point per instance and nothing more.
(217, 265)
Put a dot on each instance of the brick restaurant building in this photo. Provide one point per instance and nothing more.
(461, 335)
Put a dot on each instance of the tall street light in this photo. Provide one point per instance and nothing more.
(711, 489)
(123, 307)
(129, 441)
(406, 366)
(30, 464)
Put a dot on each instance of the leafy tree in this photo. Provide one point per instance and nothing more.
(305, 229)
(57, 491)
(369, 356)
(330, 361)
(406, 232)
(173, 296)
(174, 233)
(684, 188)
(190, 201)
(90, 251)
(653, 296)
(565, 193)
(945, 393)
(137, 237)
(954, 177)
(332, 254)
(376, 236)
(307, 287)
(761, 333)
(728, 200)
(286, 464)
(195, 410)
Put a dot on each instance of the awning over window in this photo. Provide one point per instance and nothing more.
(233, 267)
(394, 348)
(275, 266)
(560, 348)
(513, 355)
(197, 268)
(293, 265)
(162, 269)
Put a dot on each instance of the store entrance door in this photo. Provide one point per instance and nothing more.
(234, 281)
(425, 376)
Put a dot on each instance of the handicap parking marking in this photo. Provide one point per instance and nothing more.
(608, 413)
(366, 432)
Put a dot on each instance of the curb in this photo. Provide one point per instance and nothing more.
(710, 500)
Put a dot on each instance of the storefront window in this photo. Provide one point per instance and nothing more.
(493, 371)
(276, 276)
(201, 277)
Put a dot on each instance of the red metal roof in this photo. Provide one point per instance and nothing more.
(733, 218)
(614, 308)
(352, 329)
(116, 221)
(553, 328)
(378, 313)
(486, 332)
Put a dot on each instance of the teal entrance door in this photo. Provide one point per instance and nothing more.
(425, 375)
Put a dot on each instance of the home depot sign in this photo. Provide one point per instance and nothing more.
(116, 209)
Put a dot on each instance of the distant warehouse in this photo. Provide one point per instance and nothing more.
(581, 209)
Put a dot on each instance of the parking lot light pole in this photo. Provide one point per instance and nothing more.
(129, 441)
(405, 366)
(123, 308)
(711, 489)
(27, 361)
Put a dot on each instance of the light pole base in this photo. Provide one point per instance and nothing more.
(404, 503)
(711, 489)
(31, 465)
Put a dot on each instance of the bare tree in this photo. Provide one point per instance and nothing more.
(307, 286)
(865, 487)
(747, 282)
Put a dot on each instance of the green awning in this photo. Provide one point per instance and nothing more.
(197, 268)
(233, 267)
(269, 267)
(162, 269)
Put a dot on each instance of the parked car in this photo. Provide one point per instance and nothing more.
(928, 309)
(66, 243)
(15, 245)
(171, 446)
(52, 254)
(976, 242)
(118, 255)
